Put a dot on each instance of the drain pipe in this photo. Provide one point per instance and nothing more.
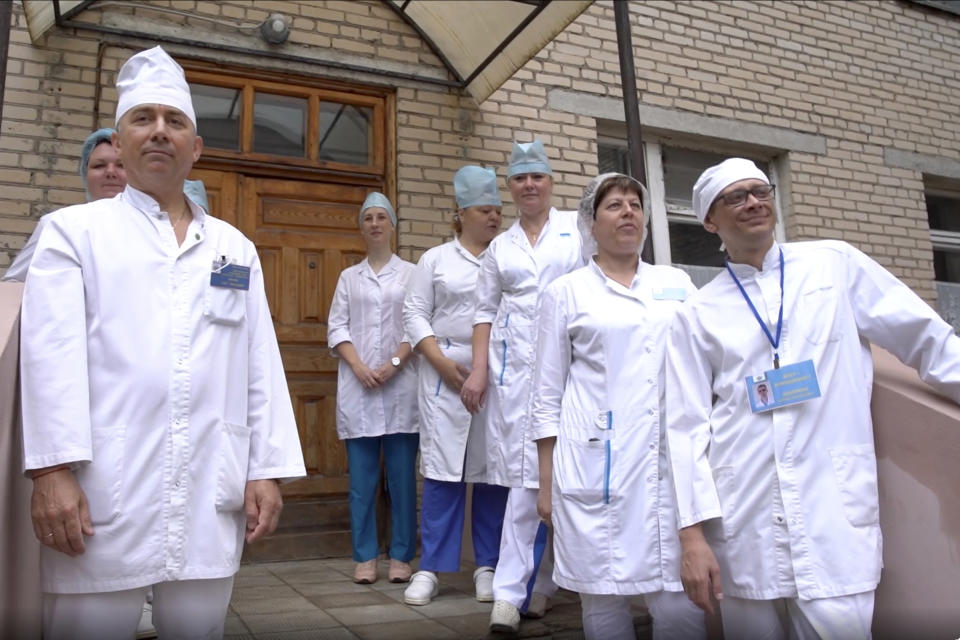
(5, 13)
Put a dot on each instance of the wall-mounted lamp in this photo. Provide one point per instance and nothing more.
(275, 29)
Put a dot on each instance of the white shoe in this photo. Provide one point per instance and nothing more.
(505, 618)
(483, 581)
(423, 587)
(539, 605)
(145, 627)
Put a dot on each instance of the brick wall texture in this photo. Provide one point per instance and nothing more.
(865, 76)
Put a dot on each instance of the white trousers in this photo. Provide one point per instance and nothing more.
(516, 564)
(182, 610)
(839, 618)
(608, 617)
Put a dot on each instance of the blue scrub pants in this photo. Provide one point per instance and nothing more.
(399, 458)
(442, 512)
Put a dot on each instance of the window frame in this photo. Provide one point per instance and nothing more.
(314, 94)
(940, 239)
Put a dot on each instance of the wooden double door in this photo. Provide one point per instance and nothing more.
(306, 234)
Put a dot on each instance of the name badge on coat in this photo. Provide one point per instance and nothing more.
(228, 275)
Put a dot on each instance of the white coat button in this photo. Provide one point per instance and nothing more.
(653, 446)
(649, 349)
(652, 412)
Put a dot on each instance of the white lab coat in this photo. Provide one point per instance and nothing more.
(790, 496)
(599, 391)
(167, 394)
(512, 276)
(367, 310)
(440, 303)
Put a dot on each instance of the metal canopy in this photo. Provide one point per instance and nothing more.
(43, 14)
(484, 42)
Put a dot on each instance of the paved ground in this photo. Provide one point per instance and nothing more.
(316, 599)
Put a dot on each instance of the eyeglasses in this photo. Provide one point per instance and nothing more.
(739, 197)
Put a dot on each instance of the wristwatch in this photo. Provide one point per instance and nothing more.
(395, 361)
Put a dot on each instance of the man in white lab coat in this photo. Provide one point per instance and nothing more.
(778, 506)
(157, 419)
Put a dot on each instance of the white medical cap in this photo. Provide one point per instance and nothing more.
(528, 157)
(476, 186)
(587, 211)
(153, 77)
(717, 178)
(377, 199)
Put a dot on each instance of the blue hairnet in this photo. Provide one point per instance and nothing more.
(475, 186)
(377, 199)
(195, 190)
(528, 157)
(95, 138)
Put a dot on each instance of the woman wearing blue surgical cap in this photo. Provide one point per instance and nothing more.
(100, 166)
(438, 316)
(540, 246)
(376, 393)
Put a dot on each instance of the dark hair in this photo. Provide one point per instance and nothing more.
(618, 182)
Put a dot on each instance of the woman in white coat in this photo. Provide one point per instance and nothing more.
(597, 418)
(438, 317)
(376, 393)
(540, 246)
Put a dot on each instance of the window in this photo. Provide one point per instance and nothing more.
(677, 237)
(943, 214)
(325, 127)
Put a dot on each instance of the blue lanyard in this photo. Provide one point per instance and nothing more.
(763, 325)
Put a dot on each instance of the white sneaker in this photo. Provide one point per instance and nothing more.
(145, 628)
(505, 618)
(423, 587)
(483, 581)
(538, 607)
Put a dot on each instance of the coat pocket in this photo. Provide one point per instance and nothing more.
(855, 469)
(102, 479)
(819, 309)
(725, 481)
(224, 305)
(582, 467)
(234, 459)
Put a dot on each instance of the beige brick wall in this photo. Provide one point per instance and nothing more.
(863, 75)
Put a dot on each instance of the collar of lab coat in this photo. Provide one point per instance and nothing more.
(145, 203)
(616, 287)
(466, 254)
(771, 262)
(518, 236)
(391, 265)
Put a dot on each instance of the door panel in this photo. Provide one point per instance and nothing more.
(306, 234)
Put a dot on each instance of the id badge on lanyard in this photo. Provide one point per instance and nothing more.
(780, 386)
(790, 384)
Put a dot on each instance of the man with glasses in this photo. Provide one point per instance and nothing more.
(778, 502)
